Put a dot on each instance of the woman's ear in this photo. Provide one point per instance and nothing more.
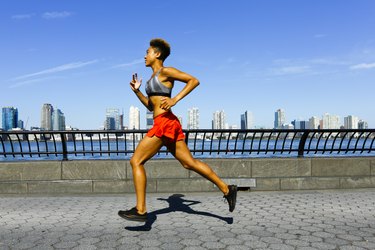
(158, 54)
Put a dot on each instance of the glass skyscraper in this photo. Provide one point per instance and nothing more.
(362, 124)
(51, 118)
(112, 121)
(9, 118)
(46, 117)
(247, 120)
(351, 122)
(279, 118)
(58, 120)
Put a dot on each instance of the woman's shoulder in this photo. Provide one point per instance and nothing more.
(167, 70)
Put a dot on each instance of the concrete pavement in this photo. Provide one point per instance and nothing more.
(337, 219)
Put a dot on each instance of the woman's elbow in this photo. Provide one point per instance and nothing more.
(196, 82)
(150, 108)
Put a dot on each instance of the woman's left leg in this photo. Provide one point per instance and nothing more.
(182, 153)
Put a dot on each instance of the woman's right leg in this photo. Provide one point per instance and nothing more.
(182, 153)
(146, 149)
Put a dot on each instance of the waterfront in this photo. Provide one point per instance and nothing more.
(123, 149)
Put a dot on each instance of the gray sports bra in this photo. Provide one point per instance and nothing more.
(155, 87)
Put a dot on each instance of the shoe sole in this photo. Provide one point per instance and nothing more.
(133, 218)
(234, 200)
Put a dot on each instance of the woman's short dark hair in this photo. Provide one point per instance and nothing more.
(161, 46)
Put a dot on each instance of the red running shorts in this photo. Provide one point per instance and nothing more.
(167, 125)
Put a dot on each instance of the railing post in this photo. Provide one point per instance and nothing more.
(301, 147)
(64, 147)
(187, 137)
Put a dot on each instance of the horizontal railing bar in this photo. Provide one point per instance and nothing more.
(143, 131)
(24, 144)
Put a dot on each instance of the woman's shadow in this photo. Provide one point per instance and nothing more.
(176, 203)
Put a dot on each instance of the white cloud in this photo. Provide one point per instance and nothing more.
(363, 66)
(126, 65)
(282, 61)
(291, 70)
(57, 69)
(23, 16)
(55, 14)
(45, 15)
(329, 61)
(27, 82)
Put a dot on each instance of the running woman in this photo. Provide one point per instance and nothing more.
(167, 130)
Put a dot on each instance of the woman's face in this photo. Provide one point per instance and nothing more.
(151, 56)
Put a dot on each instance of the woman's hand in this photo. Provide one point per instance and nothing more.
(167, 103)
(135, 83)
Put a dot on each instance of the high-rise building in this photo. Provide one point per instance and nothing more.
(134, 118)
(351, 122)
(46, 117)
(218, 121)
(331, 121)
(20, 124)
(279, 118)
(58, 120)
(247, 120)
(314, 123)
(149, 119)
(112, 121)
(193, 118)
(362, 124)
(122, 127)
(300, 124)
(9, 118)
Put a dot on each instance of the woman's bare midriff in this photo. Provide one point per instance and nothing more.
(156, 101)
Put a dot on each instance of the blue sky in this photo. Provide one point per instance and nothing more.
(307, 57)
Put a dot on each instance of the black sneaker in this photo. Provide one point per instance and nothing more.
(133, 215)
(231, 197)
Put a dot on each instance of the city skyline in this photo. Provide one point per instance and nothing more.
(308, 57)
(115, 121)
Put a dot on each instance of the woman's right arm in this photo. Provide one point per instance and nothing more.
(144, 100)
(135, 84)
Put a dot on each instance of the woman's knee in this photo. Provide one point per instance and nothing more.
(190, 164)
(135, 162)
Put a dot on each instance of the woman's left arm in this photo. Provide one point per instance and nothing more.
(173, 74)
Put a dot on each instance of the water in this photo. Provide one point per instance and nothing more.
(123, 149)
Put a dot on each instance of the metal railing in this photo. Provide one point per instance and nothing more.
(97, 144)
